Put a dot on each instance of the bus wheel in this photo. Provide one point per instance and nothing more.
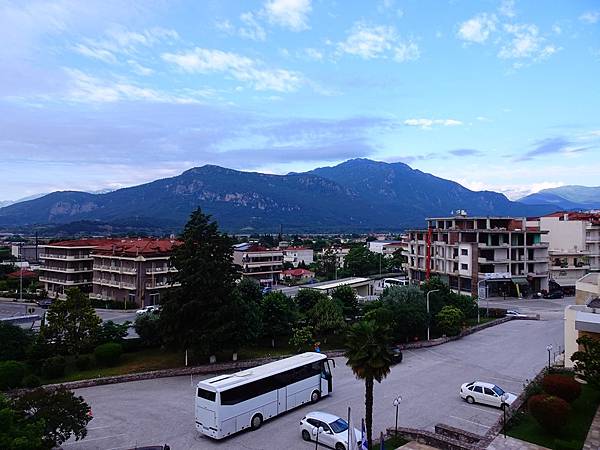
(315, 396)
(256, 421)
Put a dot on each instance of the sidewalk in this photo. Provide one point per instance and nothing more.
(592, 441)
(510, 443)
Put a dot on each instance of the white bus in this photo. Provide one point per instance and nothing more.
(389, 282)
(230, 403)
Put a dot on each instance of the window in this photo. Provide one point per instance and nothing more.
(208, 395)
(314, 422)
(464, 267)
(488, 391)
(464, 252)
(498, 391)
(339, 426)
(478, 389)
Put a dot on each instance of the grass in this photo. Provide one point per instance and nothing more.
(391, 443)
(573, 435)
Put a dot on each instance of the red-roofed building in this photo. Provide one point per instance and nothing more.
(133, 271)
(25, 273)
(298, 274)
(259, 263)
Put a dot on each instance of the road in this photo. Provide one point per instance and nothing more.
(162, 410)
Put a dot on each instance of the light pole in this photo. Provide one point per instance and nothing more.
(504, 398)
(316, 432)
(397, 401)
(428, 320)
(549, 348)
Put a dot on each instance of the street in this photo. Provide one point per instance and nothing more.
(162, 410)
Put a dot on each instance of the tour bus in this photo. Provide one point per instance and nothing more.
(389, 282)
(230, 403)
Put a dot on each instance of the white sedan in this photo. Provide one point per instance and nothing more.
(148, 309)
(486, 393)
(333, 430)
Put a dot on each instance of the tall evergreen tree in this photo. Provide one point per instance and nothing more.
(195, 315)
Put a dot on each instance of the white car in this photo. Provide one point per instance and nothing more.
(148, 309)
(334, 431)
(486, 393)
(515, 313)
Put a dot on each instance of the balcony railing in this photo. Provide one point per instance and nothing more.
(66, 269)
(63, 281)
(65, 257)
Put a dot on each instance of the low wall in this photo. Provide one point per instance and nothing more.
(457, 434)
(429, 438)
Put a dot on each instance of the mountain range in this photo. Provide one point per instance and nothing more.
(357, 195)
(566, 197)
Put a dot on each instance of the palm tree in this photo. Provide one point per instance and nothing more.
(367, 350)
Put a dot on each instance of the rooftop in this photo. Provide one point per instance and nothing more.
(137, 247)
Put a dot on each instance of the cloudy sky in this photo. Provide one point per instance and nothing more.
(494, 94)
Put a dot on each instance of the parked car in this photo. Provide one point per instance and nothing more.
(515, 313)
(555, 294)
(45, 303)
(485, 393)
(396, 354)
(334, 431)
(148, 309)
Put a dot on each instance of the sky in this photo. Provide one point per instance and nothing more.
(494, 94)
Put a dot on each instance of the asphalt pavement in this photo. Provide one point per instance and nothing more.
(155, 412)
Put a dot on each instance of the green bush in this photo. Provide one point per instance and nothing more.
(562, 386)
(301, 340)
(31, 381)
(54, 367)
(449, 320)
(108, 354)
(83, 362)
(11, 374)
(551, 412)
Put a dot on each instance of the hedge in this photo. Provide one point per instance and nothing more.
(11, 374)
(549, 411)
(108, 354)
(562, 386)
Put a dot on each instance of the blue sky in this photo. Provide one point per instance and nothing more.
(500, 95)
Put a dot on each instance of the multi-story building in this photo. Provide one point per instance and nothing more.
(68, 264)
(259, 263)
(385, 248)
(26, 252)
(297, 255)
(133, 271)
(501, 253)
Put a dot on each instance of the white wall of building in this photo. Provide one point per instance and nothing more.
(563, 234)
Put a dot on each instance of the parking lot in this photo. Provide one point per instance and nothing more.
(162, 411)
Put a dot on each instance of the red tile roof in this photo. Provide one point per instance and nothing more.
(84, 242)
(26, 274)
(137, 247)
(297, 272)
(295, 248)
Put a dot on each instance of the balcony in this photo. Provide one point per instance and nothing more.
(66, 269)
(66, 257)
(571, 267)
(116, 269)
(63, 281)
(161, 285)
(157, 270)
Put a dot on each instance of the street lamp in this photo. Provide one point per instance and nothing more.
(549, 348)
(428, 320)
(397, 401)
(504, 398)
(316, 432)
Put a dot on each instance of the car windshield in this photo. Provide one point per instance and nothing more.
(339, 426)
(498, 391)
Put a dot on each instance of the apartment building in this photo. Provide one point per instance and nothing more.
(501, 255)
(133, 271)
(68, 264)
(259, 263)
(297, 255)
(386, 248)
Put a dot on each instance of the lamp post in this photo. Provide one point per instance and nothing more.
(428, 320)
(316, 432)
(549, 348)
(397, 401)
(504, 398)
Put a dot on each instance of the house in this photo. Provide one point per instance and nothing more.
(298, 274)
(259, 263)
(297, 255)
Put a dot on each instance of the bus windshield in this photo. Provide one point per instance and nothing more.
(339, 426)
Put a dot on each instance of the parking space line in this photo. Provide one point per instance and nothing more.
(470, 421)
(489, 411)
(83, 441)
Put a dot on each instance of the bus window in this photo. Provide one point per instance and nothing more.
(207, 395)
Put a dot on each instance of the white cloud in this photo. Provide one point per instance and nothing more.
(507, 8)
(378, 41)
(428, 123)
(590, 17)
(95, 53)
(292, 14)
(512, 191)
(525, 42)
(251, 29)
(242, 68)
(85, 88)
(313, 53)
(139, 69)
(478, 28)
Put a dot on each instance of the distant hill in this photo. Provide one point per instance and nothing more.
(566, 197)
(358, 195)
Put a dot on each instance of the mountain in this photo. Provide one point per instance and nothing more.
(358, 195)
(24, 199)
(566, 197)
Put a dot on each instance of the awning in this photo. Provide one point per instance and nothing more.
(520, 280)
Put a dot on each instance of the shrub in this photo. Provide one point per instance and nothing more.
(301, 339)
(562, 386)
(147, 326)
(449, 320)
(11, 374)
(54, 367)
(108, 354)
(83, 362)
(549, 411)
(31, 381)
(532, 387)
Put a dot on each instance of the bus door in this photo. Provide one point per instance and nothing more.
(282, 400)
(326, 375)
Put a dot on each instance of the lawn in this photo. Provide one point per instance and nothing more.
(573, 435)
(390, 443)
